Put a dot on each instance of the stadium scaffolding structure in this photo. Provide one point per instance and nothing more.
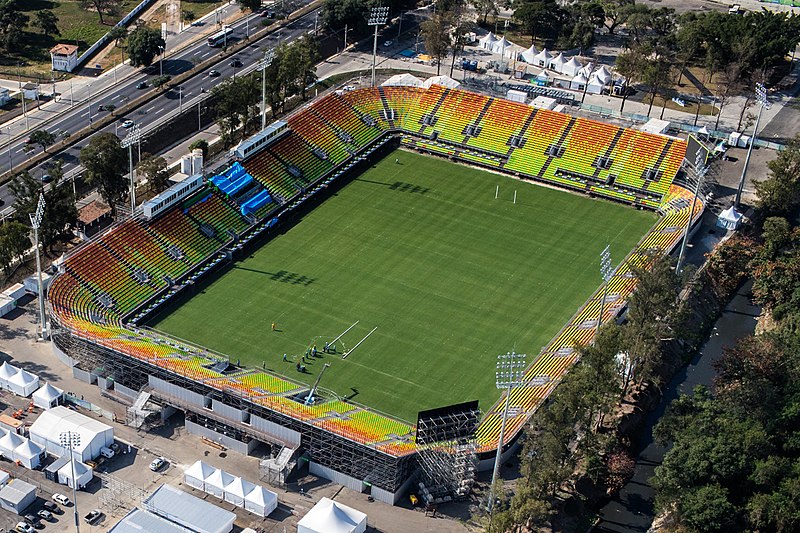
(83, 337)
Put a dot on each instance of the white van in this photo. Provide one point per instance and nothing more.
(108, 453)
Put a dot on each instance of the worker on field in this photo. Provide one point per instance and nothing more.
(284, 358)
(273, 326)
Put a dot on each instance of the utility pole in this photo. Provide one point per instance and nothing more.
(761, 98)
(345, 36)
(377, 17)
(36, 222)
(269, 55)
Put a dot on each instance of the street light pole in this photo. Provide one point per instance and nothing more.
(510, 370)
(377, 17)
(36, 222)
(269, 55)
(89, 103)
(761, 98)
(133, 137)
(71, 440)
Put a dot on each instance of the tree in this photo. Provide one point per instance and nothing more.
(188, 16)
(436, 37)
(235, 104)
(12, 24)
(47, 22)
(154, 169)
(616, 13)
(107, 7)
(43, 138)
(336, 14)
(159, 81)
(779, 193)
(14, 242)
(105, 162)
(540, 18)
(486, 8)
(202, 144)
(117, 33)
(60, 211)
(143, 45)
(251, 5)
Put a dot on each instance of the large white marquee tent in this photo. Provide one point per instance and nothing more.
(93, 434)
(329, 516)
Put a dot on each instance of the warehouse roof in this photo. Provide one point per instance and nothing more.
(185, 509)
(138, 521)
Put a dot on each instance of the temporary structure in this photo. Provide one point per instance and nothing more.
(500, 47)
(47, 429)
(329, 516)
(47, 396)
(83, 475)
(529, 54)
(487, 41)
(587, 69)
(403, 80)
(603, 75)
(542, 59)
(595, 85)
(729, 219)
(557, 63)
(7, 371)
(216, 482)
(196, 475)
(234, 492)
(29, 454)
(23, 383)
(8, 443)
(571, 67)
(578, 83)
(444, 81)
(260, 501)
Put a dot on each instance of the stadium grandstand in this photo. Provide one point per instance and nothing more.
(107, 289)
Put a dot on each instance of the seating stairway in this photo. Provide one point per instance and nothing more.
(457, 109)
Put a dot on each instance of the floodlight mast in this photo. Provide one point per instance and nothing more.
(377, 17)
(133, 137)
(606, 272)
(761, 98)
(71, 440)
(700, 170)
(36, 222)
(310, 397)
(269, 55)
(509, 374)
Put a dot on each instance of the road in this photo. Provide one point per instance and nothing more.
(84, 114)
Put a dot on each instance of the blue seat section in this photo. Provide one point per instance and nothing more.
(232, 180)
(256, 202)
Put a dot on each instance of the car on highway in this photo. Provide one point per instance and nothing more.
(157, 464)
(213, 73)
(236, 63)
(268, 14)
(127, 123)
(60, 498)
(141, 85)
(47, 178)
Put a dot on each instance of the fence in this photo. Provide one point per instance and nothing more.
(104, 39)
(89, 406)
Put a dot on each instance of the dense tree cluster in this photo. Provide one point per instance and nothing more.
(105, 162)
(144, 44)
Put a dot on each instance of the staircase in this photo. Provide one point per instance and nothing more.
(434, 110)
(388, 111)
(521, 134)
(559, 142)
(479, 118)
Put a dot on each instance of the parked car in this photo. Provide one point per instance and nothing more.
(33, 520)
(60, 498)
(127, 123)
(93, 517)
(22, 527)
(157, 464)
(213, 73)
(141, 85)
(52, 507)
(44, 514)
(387, 44)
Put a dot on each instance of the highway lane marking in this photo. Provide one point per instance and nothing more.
(160, 110)
(150, 109)
(207, 53)
(85, 114)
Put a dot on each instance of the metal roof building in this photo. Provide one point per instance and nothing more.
(188, 511)
(138, 521)
(17, 496)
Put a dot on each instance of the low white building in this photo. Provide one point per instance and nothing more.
(5, 96)
(92, 434)
(47, 396)
(17, 496)
(64, 57)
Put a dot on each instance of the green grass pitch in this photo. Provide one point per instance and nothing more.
(421, 249)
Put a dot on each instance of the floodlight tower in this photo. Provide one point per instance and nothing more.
(310, 397)
(36, 222)
(71, 440)
(133, 137)
(377, 17)
(606, 272)
(269, 55)
(509, 373)
(700, 170)
(761, 98)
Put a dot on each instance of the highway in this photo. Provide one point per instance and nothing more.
(81, 114)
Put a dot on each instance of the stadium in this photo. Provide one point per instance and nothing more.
(295, 246)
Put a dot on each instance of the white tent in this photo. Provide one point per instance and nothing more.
(196, 475)
(571, 67)
(542, 59)
(260, 501)
(729, 219)
(329, 516)
(603, 75)
(557, 63)
(216, 482)
(543, 76)
(444, 81)
(487, 41)
(7, 371)
(403, 80)
(8, 443)
(595, 85)
(587, 69)
(47, 396)
(529, 54)
(29, 454)
(47, 429)
(83, 474)
(23, 383)
(234, 492)
(499, 47)
(578, 82)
